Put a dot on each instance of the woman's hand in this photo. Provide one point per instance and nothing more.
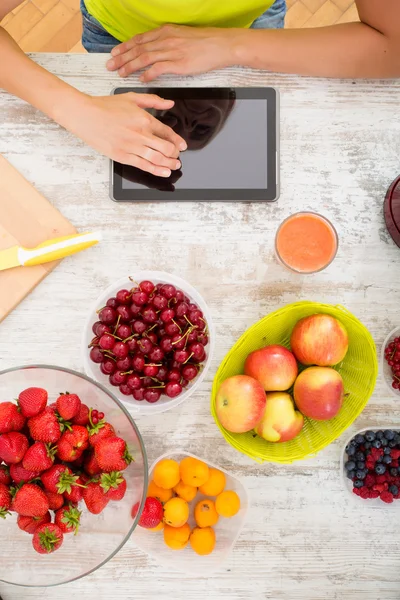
(120, 128)
(174, 49)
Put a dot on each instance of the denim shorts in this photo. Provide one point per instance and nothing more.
(96, 39)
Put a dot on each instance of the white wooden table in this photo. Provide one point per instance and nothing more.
(340, 145)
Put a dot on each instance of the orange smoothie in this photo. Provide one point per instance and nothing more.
(306, 242)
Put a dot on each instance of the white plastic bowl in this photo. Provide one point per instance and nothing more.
(93, 370)
(386, 370)
(227, 531)
(348, 484)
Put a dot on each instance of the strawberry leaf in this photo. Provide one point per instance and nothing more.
(110, 480)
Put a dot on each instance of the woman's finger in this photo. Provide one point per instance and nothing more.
(166, 148)
(157, 158)
(145, 59)
(144, 165)
(161, 68)
(152, 101)
(166, 133)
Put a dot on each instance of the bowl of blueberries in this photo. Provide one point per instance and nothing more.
(370, 466)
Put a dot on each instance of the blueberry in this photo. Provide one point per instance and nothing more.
(380, 469)
(389, 434)
(387, 450)
(353, 442)
(392, 444)
(351, 450)
(379, 435)
(359, 439)
(360, 456)
(368, 445)
(393, 471)
(387, 459)
(350, 465)
(384, 442)
(360, 474)
(350, 474)
(370, 436)
(397, 438)
(393, 489)
(376, 444)
(358, 483)
(360, 464)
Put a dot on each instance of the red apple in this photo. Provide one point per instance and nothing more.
(319, 340)
(240, 403)
(274, 367)
(280, 421)
(319, 392)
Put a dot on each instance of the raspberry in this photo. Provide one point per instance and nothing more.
(394, 463)
(381, 478)
(376, 452)
(387, 497)
(364, 492)
(395, 454)
(373, 494)
(369, 481)
(397, 496)
(379, 487)
(356, 491)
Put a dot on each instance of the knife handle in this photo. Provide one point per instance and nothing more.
(57, 248)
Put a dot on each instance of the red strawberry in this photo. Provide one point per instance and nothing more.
(95, 498)
(112, 454)
(152, 514)
(68, 519)
(10, 418)
(82, 418)
(39, 457)
(56, 501)
(76, 493)
(99, 432)
(114, 485)
(13, 447)
(68, 406)
(5, 500)
(77, 464)
(32, 401)
(21, 475)
(47, 538)
(45, 427)
(30, 524)
(73, 443)
(5, 474)
(30, 501)
(53, 406)
(90, 464)
(58, 479)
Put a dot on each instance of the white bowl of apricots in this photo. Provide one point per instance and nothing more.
(193, 515)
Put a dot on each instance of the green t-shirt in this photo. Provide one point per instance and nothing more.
(125, 18)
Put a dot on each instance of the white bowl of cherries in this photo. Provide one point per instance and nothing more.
(149, 339)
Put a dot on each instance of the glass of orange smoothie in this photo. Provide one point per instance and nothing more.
(306, 242)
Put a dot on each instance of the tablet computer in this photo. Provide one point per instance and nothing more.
(232, 155)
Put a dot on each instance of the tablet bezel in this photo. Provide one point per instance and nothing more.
(270, 194)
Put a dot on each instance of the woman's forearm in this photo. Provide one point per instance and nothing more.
(20, 76)
(351, 50)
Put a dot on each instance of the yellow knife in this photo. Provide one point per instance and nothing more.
(55, 249)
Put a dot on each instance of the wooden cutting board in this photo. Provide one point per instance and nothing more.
(26, 219)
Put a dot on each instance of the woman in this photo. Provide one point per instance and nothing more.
(211, 34)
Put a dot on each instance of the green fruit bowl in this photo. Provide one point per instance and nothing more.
(359, 371)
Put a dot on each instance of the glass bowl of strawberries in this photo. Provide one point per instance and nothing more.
(72, 465)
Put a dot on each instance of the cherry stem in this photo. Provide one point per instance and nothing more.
(183, 337)
(180, 330)
(191, 324)
(117, 323)
(188, 359)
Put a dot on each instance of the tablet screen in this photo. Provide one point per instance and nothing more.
(228, 146)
